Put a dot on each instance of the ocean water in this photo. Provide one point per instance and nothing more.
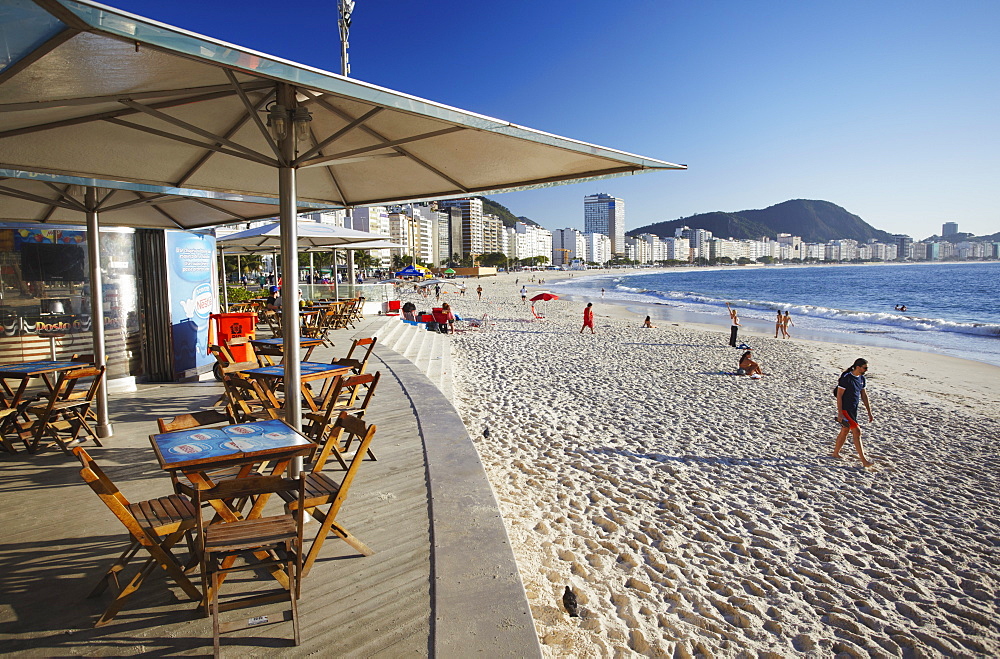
(952, 308)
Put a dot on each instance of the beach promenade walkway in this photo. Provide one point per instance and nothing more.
(442, 582)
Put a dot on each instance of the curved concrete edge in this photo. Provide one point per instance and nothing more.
(478, 602)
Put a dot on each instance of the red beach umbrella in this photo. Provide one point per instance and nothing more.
(545, 297)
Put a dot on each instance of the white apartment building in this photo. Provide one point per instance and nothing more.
(605, 214)
(657, 248)
(698, 241)
(568, 244)
(493, 234)
(638, 250)
(373, 219)
(598, 248)
(676, 249)
(529, 240)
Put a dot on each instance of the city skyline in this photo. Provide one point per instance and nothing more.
(886, 110)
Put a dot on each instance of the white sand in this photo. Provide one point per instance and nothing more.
(695, 513)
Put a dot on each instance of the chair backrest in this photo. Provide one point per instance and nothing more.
(246, 399)
(193, 420)
(270, 351)
(364, 346)
(353, 386)
(112, 497)
(356, 430)
(63, 390)
(251, 486)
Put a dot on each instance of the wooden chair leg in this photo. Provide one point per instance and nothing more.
(115, 569)
(327, 526)
(215, 614)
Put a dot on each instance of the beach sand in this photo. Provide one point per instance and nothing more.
(698, 513)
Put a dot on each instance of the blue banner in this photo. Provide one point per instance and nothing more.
(190, 266)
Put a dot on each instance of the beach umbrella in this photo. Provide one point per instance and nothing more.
(544, 297)
(449, 271)
(440, 282)
(178, 108)
(311, 235)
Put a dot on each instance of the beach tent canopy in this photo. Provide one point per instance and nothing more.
(94, 92)
(410, 271)
(310, 234)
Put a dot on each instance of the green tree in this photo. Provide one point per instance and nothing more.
(493, 259)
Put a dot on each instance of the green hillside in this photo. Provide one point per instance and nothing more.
(814, 221)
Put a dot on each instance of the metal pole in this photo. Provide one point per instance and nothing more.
(336, 275)
(289, 266)
(312, 276)
(104, 428)
(225, 283)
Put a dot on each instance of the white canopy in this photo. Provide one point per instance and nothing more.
(91, 91)
(310, 234)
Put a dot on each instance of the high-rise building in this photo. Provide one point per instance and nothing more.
(949, 229)
(605, 214)
(904, 246)
(472, 223)
(567, 245)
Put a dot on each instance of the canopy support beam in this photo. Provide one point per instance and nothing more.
(290, 269)
(104, 428)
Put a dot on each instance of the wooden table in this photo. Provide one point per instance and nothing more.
(279, 343)
(24, 371)
(310, 371)
(199, 451)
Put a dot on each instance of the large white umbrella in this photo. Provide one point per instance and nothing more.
(311, 235)
(91, 91)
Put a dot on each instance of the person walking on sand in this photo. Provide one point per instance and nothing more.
(479, 291)
(786, 320)
(777, 324)
(602, 292)
(734, 330)
(850, 392)
(524, 294)
(588, 318)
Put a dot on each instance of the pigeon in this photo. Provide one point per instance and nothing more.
(486, 433)
(569, 601)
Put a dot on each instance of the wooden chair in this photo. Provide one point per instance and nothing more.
(273, 322)
(155, 525)
(248, 400)
(226, 363)
(64, 412)
(358, 362)
(8, 424)
(269, 355)
(275, 542)
(321, 490)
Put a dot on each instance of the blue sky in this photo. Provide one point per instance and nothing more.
(890, 109)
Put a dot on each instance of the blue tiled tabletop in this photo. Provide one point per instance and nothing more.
(246, 440)
(307, 368)
(39, 366)
(279, 342)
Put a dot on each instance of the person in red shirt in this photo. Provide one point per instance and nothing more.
(588, 318)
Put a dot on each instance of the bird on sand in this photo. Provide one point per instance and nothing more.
(569, 601)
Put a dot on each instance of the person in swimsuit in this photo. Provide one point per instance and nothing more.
(735, 328)
(777, 324)
(588, 318)
(648, 323)
(786, 320)
(748, 366)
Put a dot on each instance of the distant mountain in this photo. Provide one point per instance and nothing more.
(814, 221)
(494, 208)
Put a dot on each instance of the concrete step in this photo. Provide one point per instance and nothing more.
(412, 349)
(432, 365)
(446, 381)
(389, 331)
